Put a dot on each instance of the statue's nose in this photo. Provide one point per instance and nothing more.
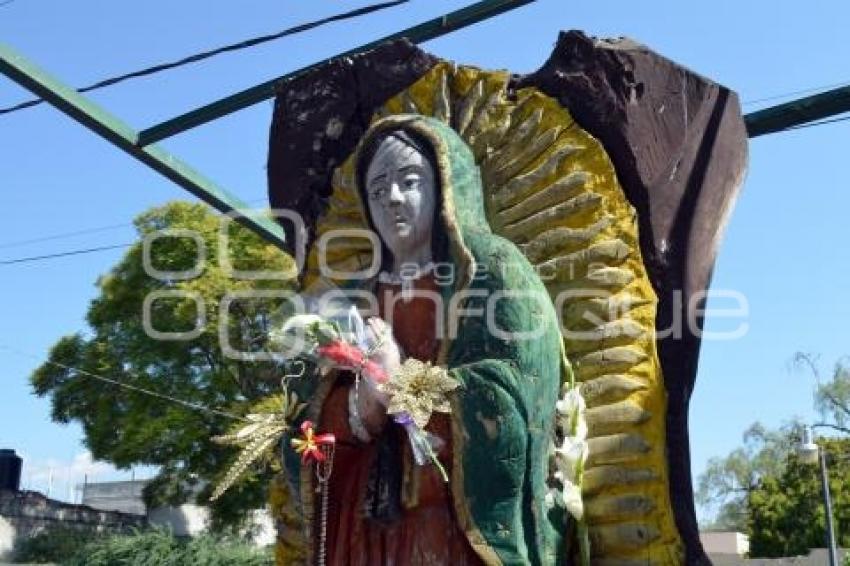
(396, 196)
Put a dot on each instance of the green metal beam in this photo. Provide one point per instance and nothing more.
(798, 112)
(138, 144)
(417, 34)
(111, 128)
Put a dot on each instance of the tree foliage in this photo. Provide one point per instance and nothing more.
(832, 398)
(787, 516)
(727, 482)
(129, 428)
(763, 489)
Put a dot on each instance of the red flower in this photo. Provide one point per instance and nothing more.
(310, 446)
(341, 353)
(350, 356)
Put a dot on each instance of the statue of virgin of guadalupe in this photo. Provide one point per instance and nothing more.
(491, 326)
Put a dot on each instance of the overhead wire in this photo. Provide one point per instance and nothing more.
(795, 93)
(62, 254)
(818, 123)
(31, 259)
(300, 29)
(142, 390)
(250, 43)
(65, 235)
(217, 51)
(84, 231)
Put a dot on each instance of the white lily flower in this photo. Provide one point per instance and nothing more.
(570, 458)
(571, 410)
(572, 500)
(571, 401)
(580, 430)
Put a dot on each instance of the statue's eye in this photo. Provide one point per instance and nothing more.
(377, 191)
(411, 181)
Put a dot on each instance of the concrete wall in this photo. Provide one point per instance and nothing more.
(185, 520)
(121, 496)
(264, 531)
(7, 539)
(26, 513)
(191, 520)
(725, 542)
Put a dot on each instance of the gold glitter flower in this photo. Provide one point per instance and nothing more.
(419, 389)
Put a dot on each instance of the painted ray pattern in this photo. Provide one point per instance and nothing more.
(552, 190)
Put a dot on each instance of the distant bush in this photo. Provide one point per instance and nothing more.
(53, 544)
(155, 547)
(161, 548)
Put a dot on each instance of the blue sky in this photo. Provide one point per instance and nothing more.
(784, 249)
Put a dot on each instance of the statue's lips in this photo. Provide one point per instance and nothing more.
(402, 228)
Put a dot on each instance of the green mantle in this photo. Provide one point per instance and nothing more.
(503, 413)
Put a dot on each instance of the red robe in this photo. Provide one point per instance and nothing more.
(427, 531)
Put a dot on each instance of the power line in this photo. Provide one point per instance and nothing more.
(212, 53)
(142, 390)
(62, 254)
(63, 235)
(84, 231)
(795, 92)
(111, 247)
(816, 108)
(819, 123)
(104, 248)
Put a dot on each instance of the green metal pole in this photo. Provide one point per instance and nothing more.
(798, 112)
(417, 34)
(112, 129)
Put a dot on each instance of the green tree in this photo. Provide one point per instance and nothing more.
(832, 398)
(129, 428)
(726, 483)
(763, 489)
(786, 511)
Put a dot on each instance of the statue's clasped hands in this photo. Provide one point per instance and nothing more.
(372, 400)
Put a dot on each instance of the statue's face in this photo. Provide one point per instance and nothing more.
(402, 196)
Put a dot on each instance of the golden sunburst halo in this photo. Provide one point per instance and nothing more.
(551, 189)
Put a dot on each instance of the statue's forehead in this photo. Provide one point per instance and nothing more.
(394, 153)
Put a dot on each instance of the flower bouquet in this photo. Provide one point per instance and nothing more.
(339, 342)
(411, 392)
